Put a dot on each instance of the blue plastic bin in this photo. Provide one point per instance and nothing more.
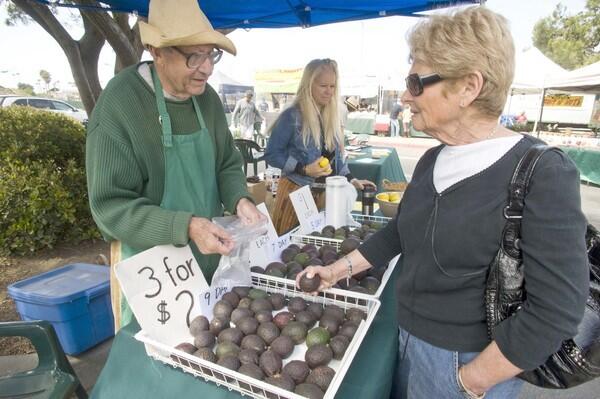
(74, 298)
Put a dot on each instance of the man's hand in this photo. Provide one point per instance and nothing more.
(209, 238)
(247, 212)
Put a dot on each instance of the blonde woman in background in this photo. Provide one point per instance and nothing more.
(307, 141)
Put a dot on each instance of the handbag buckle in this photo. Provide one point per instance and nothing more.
(507, 215)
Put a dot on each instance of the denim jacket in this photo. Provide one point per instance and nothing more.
(286, 149)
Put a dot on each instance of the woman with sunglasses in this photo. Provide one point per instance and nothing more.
(307, 141)
(450, 221)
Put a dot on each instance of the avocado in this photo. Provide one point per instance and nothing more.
(330, 323)
(282, 318)
(287, 255)
(347, 284)
(239, 313)
(296, 304)
(315, 261)
(349, 245)
(227, 348)
(355, 315)
(307, 318)
(283, 346)
(255, 343)
(222, 309)
(204, 339)
(326, 248)
(328, 230)
(309, 248)
(186, 347)
(255, 293)
(263, 315)
(251, 370)
(275, 273)
(318, 355)
(248, 356)
(309, 284)
(302, 258)
(278, 300)
(371, 284)
(334, 311)
(377, 272)
(329, 257)
(218, 324)
(232, 298)
(296, 331)
(348, 329)
(199, 323)
(316, 309)
(231, 362)
(261, 304)
(242, 292)
(340, 232)
(248, 325)
(297, 370)
(245, 303)
(310, 391)
(232, 334)
(338, 345)
(277, 266)
(315, 234)
(321, 376)
(206, 354)
(270, 363)
(268, 331)
(282, 381)
(318, 335)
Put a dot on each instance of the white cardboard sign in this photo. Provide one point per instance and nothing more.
(306, 209)
(267, 248)
(163, 286)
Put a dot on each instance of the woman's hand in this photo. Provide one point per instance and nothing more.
(316, 170)
(329, 276)
(360, 184)
(209, 238)
(247, 212)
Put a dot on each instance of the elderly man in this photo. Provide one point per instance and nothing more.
(245, 114)
(160, 159)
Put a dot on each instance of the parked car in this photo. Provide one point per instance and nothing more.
(47, 104)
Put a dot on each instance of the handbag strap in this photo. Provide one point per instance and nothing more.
(517, 190)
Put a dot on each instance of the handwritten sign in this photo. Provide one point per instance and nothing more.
(163, 286)
(313, 223)
(305, 208)
(267, 248)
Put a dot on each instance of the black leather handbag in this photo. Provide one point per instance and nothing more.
(578, 359)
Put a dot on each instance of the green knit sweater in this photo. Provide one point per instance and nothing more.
(126, 168)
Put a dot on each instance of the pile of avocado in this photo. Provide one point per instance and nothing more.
(367, 229)
(294, 259)
(252, 333)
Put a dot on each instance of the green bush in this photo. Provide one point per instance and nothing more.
(43, 194)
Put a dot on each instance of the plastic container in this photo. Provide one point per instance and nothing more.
(74, 298)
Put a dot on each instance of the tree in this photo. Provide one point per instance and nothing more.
(572, 41)
(25, 88)
(83, 53)
(46, 78)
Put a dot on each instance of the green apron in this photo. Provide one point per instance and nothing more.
(190, 182)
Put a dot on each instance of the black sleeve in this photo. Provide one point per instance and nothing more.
(555, 266)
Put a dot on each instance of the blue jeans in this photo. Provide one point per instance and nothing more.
(426, 371)
(394, 127)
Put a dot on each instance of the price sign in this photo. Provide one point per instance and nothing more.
(163, 286)
(267, 248)
(305, 208)
(209, 297)
(315, 223)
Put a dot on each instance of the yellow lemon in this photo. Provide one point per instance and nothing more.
(384, 197)
(394, 197)
(323, 162)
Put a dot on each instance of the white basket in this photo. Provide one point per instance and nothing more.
(254, 388)
(321, 241)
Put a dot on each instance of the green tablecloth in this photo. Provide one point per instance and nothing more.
(387, 167)
(357, 123)
(130, 373)
(587, 161)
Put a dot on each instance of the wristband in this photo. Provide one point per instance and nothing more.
(349, 275)
(467, 391)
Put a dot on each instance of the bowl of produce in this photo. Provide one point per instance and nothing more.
(388, 202)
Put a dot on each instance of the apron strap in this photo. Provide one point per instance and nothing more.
(163, 118)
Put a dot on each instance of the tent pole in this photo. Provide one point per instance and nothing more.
(538, 123)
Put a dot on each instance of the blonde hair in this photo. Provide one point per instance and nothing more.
(469, 40)
(312, 117)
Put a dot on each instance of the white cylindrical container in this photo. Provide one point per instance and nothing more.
(339, 201)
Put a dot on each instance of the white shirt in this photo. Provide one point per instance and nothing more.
(457, 162)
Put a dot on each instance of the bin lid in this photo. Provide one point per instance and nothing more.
(63, 284)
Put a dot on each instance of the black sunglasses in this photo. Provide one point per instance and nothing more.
(415, 83)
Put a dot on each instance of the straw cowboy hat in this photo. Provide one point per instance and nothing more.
(180, 23)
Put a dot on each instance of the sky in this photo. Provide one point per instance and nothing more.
(369, 50)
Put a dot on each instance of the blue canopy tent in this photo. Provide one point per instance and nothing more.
(285, 13)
